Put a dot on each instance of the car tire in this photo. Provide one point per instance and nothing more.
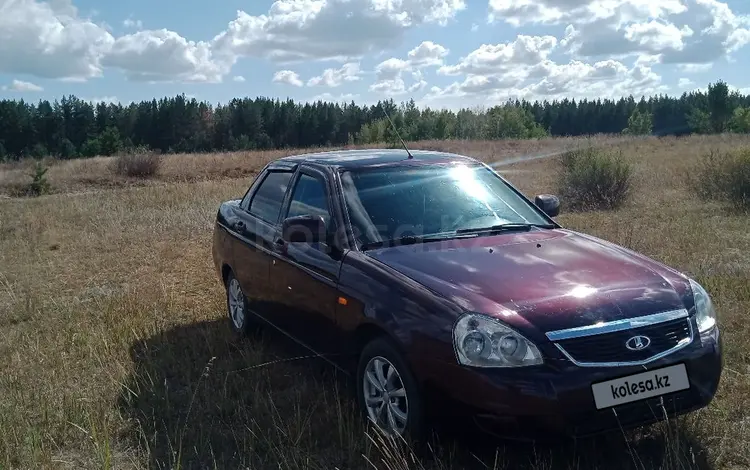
(382, 353)
(238, 313)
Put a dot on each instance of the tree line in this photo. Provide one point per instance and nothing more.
(72, 128)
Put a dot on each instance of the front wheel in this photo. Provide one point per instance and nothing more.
(388, 392)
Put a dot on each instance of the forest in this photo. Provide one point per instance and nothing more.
(73, 128)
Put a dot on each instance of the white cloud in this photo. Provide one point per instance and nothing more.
(287, 76)
(685, 83)
(390, 73)
(343, 98)
(130, 23)
(50, 40)
(623, 41)
(397, 86)
(333, 78)
(391, 68)
(521, 12)
(494, 58)
(608, 78)
(296, 30)
(389, 76)
(719, 33)
(20, 85)
(495, 73)
(426, 54)
(600, 39)
(103, 99)
(656, 36)
(477, 84)
(694, 68)
(678, 31)
(163, 55)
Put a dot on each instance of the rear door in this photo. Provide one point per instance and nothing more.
(306, 275)
(256, 227)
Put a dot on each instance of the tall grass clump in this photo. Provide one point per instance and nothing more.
(723, 176)
(137, 164)
(39, 184)
(594, 178)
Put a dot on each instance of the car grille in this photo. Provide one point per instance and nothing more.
(610, 347)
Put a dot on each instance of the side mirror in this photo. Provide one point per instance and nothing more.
(304, 229)
(548, 203)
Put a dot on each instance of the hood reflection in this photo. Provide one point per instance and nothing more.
(552, 279)
(582, 291)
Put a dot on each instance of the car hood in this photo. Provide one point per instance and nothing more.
(551, 279)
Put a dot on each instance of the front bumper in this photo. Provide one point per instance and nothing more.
(556, 398)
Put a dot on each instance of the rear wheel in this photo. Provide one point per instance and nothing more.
(388, 392)
(237, 311)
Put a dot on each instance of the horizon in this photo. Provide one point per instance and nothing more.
(444, 54)
(479, 108)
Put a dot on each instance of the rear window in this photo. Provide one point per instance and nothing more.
(267, 200)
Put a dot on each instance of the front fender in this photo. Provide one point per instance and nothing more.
(417, 319)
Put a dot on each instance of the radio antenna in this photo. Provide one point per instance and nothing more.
(396, 131)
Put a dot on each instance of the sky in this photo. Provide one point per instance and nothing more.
(441, 53)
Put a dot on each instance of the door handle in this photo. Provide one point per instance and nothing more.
(239, 225)
(280, 242)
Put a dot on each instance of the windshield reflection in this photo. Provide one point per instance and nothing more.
(394, 201)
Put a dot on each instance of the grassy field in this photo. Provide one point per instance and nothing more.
(114, 350)
(84, 175)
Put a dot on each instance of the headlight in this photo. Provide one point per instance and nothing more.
(482, 341)
(705, 315)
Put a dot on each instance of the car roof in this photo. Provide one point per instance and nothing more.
(346, 159)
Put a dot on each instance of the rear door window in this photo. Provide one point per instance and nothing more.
(267, 200)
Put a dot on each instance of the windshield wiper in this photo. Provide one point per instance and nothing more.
(504, 228)
(409, 240)
(460, 233)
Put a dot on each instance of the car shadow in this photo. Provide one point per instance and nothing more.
(653, 447)
(199, 396)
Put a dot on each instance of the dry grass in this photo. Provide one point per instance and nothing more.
(86, 174)
(723, 177)
(593, 178)
(114, 352)
(137, 164)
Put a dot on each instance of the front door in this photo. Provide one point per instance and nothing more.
(306, 275)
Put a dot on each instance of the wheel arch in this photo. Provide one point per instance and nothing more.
(225, 270)
(367, 332)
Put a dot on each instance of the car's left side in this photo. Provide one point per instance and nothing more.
(283, 253)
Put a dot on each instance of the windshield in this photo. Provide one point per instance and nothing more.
(392, 202)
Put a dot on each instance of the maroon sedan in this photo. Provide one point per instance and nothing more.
(437, 281)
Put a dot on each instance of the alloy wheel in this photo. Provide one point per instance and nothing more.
(385, 396)
(236, 304)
